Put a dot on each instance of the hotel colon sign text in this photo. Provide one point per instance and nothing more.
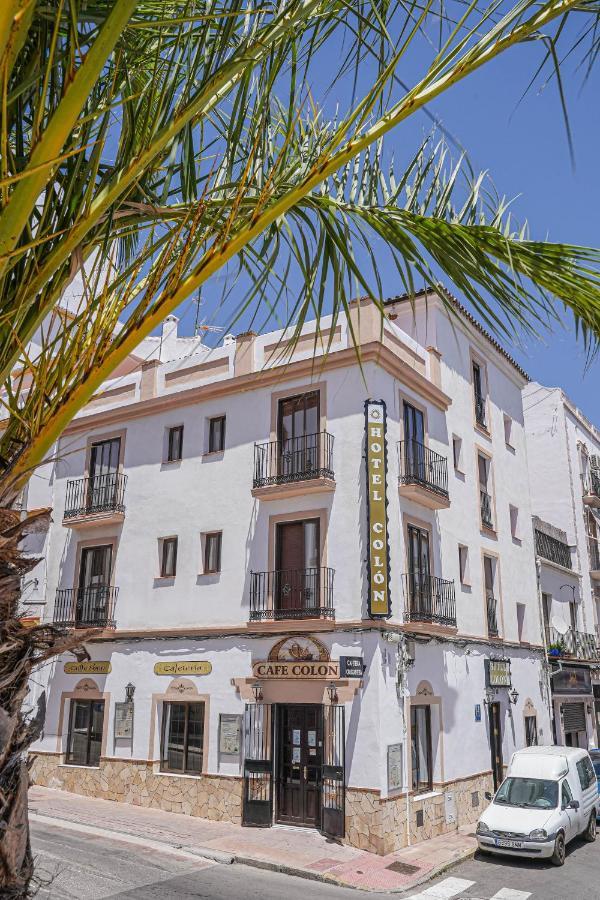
(379, 604)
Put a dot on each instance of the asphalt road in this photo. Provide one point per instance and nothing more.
(75, 866)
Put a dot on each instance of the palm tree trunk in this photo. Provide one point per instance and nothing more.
(22, 649)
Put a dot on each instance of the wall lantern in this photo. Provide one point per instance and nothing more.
(332, 693)
(129, 692)
(513, 696)
(257, 691)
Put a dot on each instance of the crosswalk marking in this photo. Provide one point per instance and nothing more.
(509, 894)
(452, 887)
(446, 889)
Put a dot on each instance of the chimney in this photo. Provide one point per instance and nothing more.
(244, 353)
(168, 340)
(228, 340)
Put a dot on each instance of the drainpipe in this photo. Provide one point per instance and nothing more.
(546, 665)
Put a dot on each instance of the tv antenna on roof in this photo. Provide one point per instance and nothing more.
(201, 327)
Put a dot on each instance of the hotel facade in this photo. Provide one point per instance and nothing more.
(564, 460)
(311, 584)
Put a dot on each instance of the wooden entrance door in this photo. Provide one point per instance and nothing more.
(300, 758)
(297, 586)
(496, 744)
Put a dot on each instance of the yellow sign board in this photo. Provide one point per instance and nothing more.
(193, 667)
(291, 669)
(89, 667)
(379, 603)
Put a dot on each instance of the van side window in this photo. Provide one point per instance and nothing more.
(566, 795)
(585, 770)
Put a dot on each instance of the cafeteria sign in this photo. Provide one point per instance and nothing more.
(193, 667)
(89, 667)
(378, 574)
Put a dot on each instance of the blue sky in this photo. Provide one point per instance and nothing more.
(524, 148)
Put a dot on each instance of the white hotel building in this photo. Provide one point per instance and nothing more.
(563, 448)
(213, 521)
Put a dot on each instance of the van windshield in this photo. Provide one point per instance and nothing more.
(528, 793)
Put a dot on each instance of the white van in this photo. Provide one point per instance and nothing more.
(548, 797)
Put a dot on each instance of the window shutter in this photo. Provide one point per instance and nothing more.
(574, 716)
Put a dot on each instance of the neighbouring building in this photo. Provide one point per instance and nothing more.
(563, 449)
(312, 585)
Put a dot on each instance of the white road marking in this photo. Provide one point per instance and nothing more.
(446, 889)
(509, 894)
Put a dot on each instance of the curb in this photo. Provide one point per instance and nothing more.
(223, 858)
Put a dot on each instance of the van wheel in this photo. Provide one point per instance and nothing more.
(558, 857)
(590, 832)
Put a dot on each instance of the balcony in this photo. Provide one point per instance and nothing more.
(100, 498)
(575, 644)
(491, 605)
(594, 549)
(429, 599)
(591, 488)
(90, 607)
(423, 475)
(485, 509)
(292, 594)
(295, 466)
(552, 549)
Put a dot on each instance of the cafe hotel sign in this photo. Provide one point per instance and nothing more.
(378, 562)
(293, 657)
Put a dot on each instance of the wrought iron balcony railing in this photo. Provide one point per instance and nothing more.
(492, 614)
(591, 483)
(429, 599)
(292, 594)
(87, 607)
(295, 459)
(577, 644)
(96, 494)
(485, 506)
(594, 549)
(420, 465)
(552, 549)
(480, 416)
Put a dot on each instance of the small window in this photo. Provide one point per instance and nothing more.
(585, 770)
(566, 794)
(457, 453)
(479, 395)
(175, 444)
(212, 553)
(521, 620)
(463, 564)
(168, 558)
(531, 735)
(216, 434)
(86, 723)
(182, 745)
(514, 522)
(508, 423)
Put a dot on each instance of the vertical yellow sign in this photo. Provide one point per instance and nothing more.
(379, 603)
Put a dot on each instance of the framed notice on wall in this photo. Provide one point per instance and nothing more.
(230, 734)
(124, 721)
(394, 767)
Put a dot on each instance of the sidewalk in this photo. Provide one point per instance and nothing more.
(295, 851)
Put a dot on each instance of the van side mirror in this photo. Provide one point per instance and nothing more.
(574, 804)
(487, 795)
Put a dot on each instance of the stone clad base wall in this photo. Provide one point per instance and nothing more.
(212, 797)
(379, 825)
(373, 824)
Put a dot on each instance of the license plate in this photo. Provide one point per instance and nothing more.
(516, 845)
